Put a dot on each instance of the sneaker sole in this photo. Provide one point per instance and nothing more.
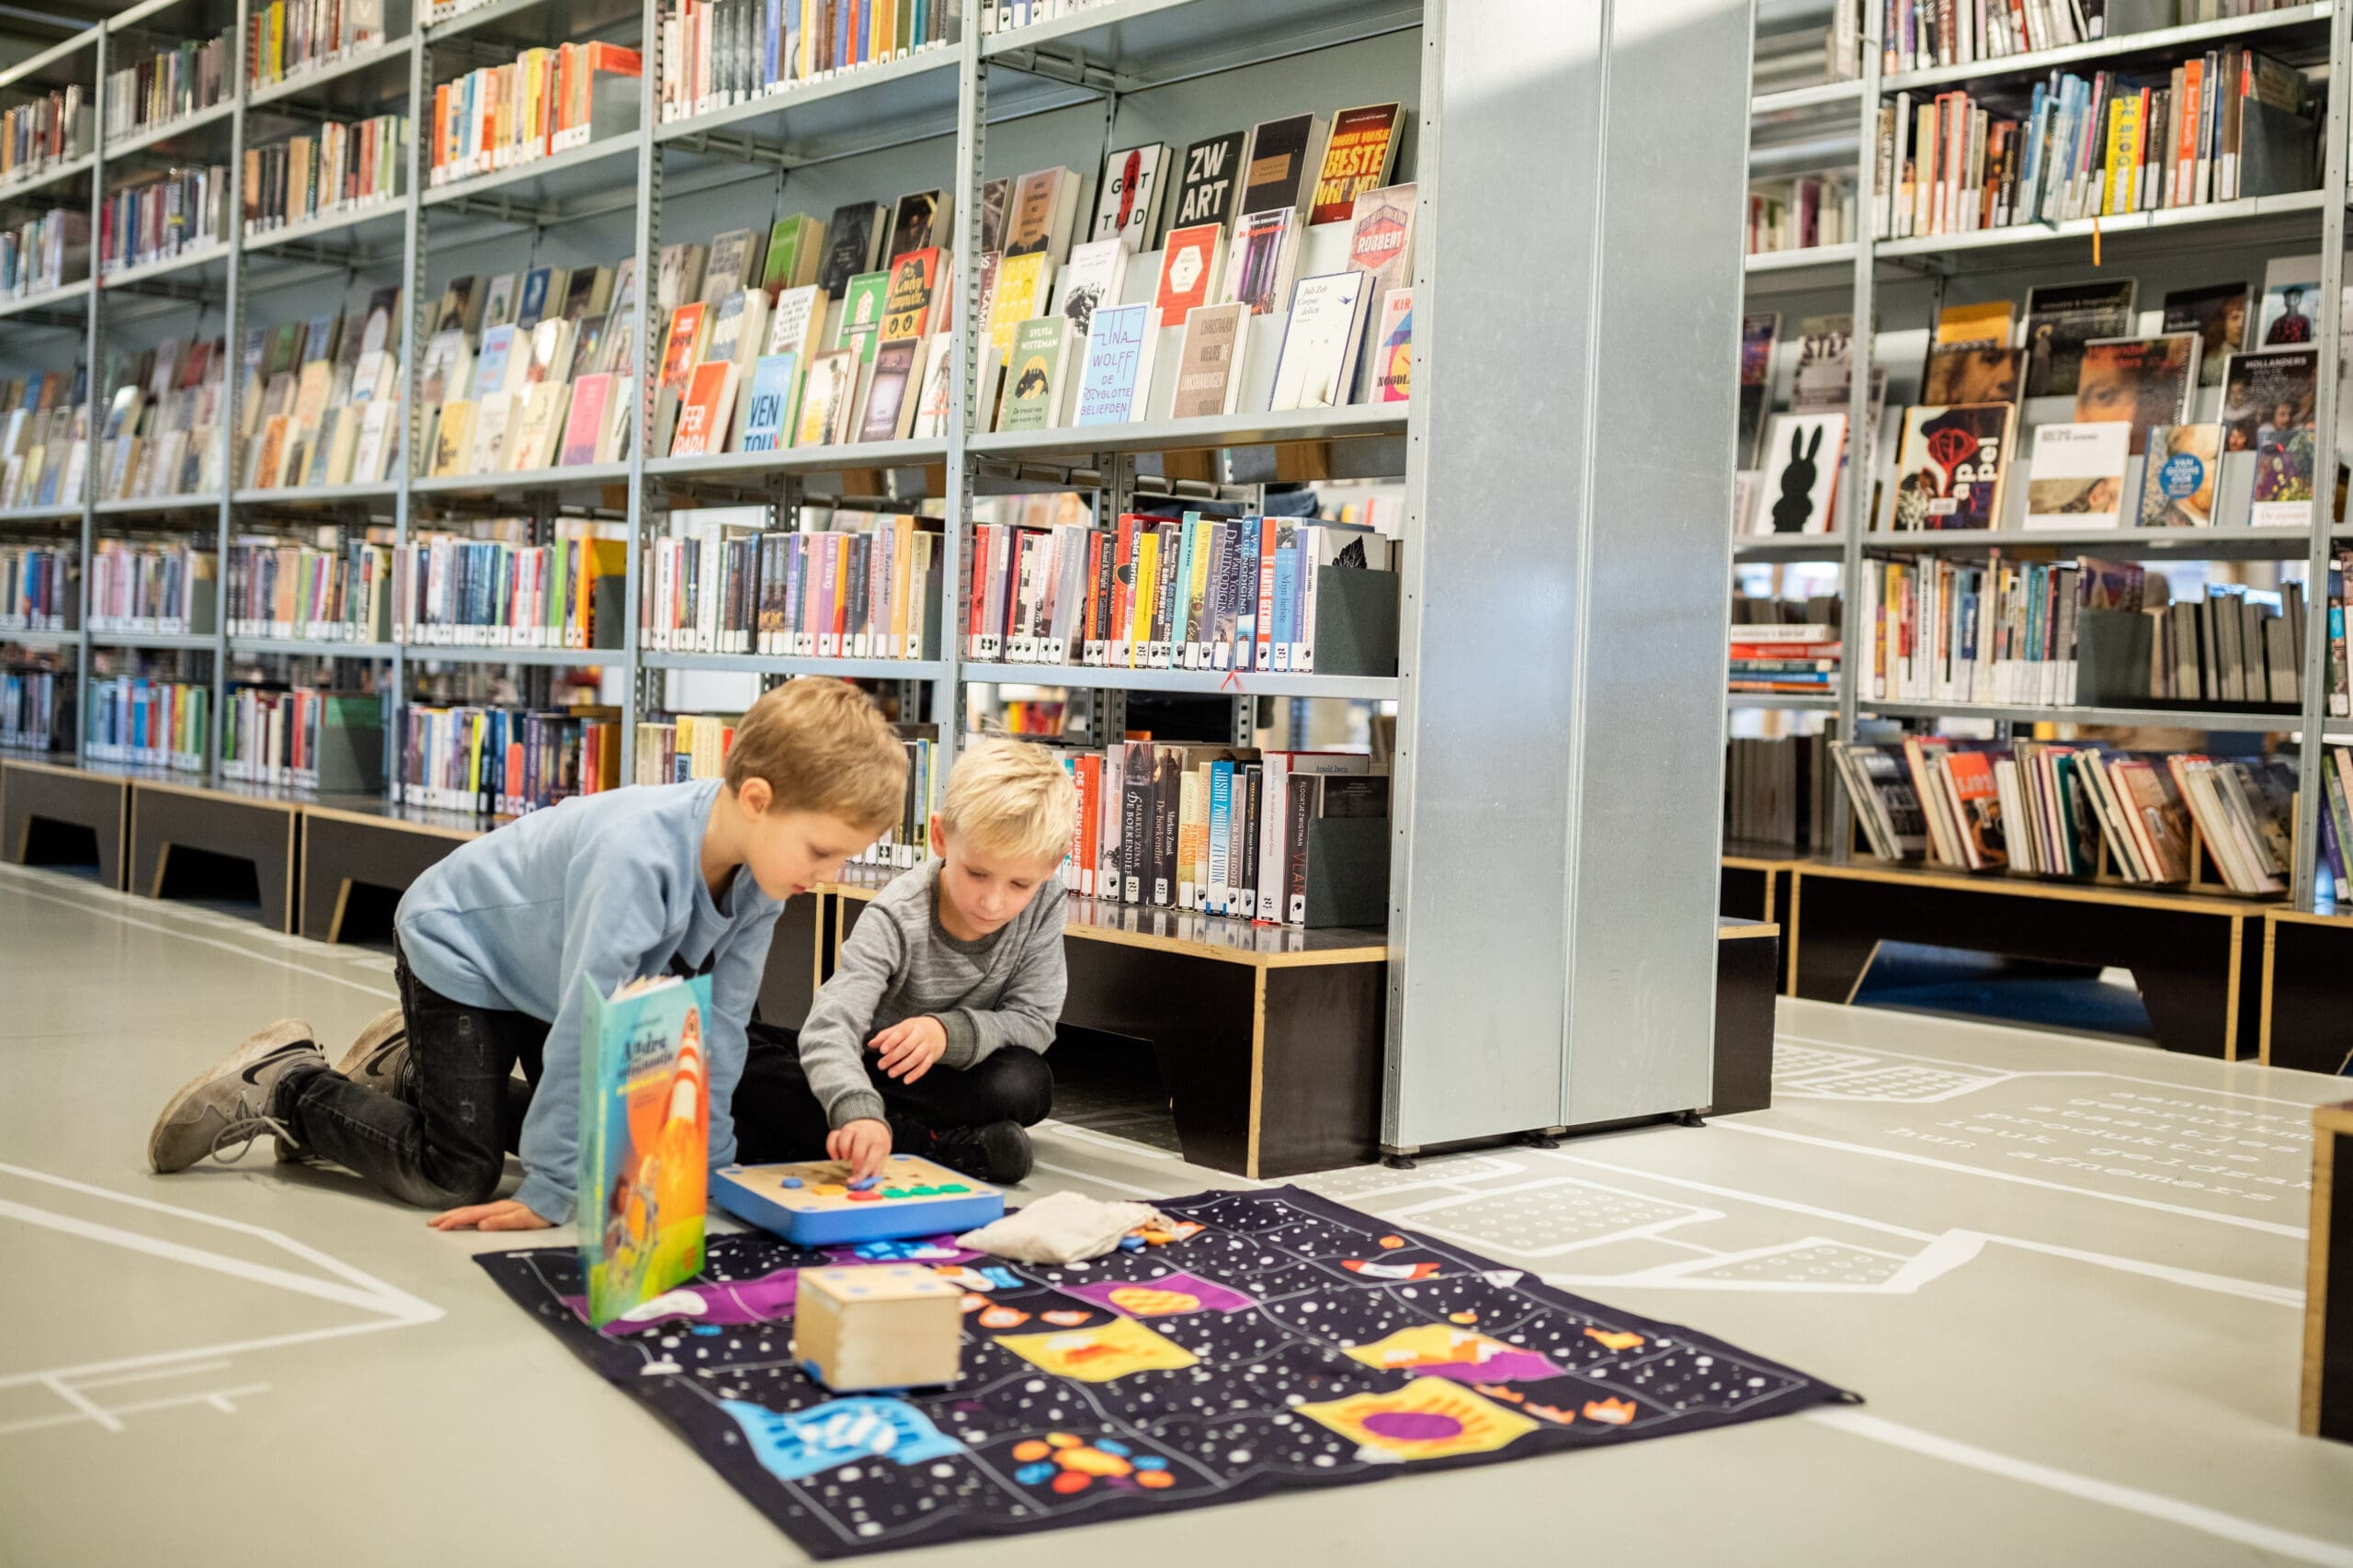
(277, 1038)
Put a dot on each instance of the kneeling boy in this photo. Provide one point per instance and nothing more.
(951, 965)
(494, 944)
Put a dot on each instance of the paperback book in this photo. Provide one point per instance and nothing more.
(2078, 477)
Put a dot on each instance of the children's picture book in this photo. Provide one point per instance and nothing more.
(1318, 363)
(1392, 366)
(1209, 373)
(1356, 158)
(2291, 301)
(2218, 314)
(2137, 382)
(2268, 409)
(1191, 268)
(2061, 318)
(644, 1140)
(2177, 479)
(1802, 454)
(1127, 200)
(2076, 480)
(1950, 463)
(1117, 377)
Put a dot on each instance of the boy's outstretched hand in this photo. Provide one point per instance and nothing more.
(863, 1144)
(504, 1215)
(909, 1047)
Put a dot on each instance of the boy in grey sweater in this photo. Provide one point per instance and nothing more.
(930, 1035)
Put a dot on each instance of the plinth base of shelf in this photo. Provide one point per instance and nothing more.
(1748, 962)
(2305, 959)
(47, 808)
(181, 833)
(2327, 1403)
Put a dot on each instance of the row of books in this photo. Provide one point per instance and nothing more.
(338, 167)
(136, 722)
(864, 589)
(1796, 658)
(41, 587)
(716, 53)
(304, 737)
(36, 707)
(273, 588)
(189, 78)
(2072, 810)
(178, 211)
(1194, 593)
(47, 456)
(2336, 818)
(685, 748)
(507, 760)
(907, 842)
(1917, 35)
(2227, 124)
(288, 38)
(554, 395)
(321, 399)
(161, 435)
(1221, 830)
(547, 101)
(165, 587)
(44, 253)
(1800, 213)
(1777, 791)
(44, 131)
(494, 593)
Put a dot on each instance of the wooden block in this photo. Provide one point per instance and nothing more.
(888, 1326)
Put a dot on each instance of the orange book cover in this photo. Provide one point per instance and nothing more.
(704, 409)
(689, 327)
(1971, 773)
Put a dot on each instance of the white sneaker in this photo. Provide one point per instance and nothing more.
(228, 1102)
(379, 1058)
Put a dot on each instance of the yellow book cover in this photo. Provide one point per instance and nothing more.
(597, 558)
(903, 556)
(453, 442)
(2123, 170)
(1147, 592)
(1020, 294)
(1192, 610)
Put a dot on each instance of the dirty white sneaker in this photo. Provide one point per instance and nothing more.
(228, 1102)
(379, 1058)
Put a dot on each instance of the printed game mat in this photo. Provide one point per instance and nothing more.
(1288, 1342)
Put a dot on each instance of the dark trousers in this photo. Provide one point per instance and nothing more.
(777, 1118)
(443, 1140)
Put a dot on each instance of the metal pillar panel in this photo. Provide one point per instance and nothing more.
(1556, 883)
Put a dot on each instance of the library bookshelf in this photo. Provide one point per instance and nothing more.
(1891, 286)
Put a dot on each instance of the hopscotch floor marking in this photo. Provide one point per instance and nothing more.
(2007, 1073)
(2266, 1226)
(1650, 1229)
(1913, 1270)
(220, 1399)
(2131, 1499)
(242, 949)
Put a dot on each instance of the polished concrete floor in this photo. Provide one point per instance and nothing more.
(2066, 1274)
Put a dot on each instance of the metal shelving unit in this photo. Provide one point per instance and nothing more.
(2291, 219)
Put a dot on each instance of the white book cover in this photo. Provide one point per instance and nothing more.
(1092, 279)
(1128, 198)
(798, 322)
(2076, 480)
(1317, 367)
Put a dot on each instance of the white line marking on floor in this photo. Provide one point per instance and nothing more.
(169, 1358)
(241, 950)
(1103, 1140)
(189, 1370)
(236, 1267)
(88, 1409)
(2266, 1226)
(2133, 1499)
(214, 1400)
(2009, 1072)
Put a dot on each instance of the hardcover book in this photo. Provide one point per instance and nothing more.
(2076, 480)
(853, 245)
(1191, 270)
(1128, 201)
(2059, 319)
(1211, 185)
(2138, 381)
(1803, 455)
(2291, 301)
(2178, 477)
(1034, 375)
(2219, 315)
(1950, 465)
(890, 395)
(1096, 274)
(1118, 375)
(1284, 155)
(644, 1140)
(1317, 367)
(1266, 250)
(1356, 158)
(2268, 409)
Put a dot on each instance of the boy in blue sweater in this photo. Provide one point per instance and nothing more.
(494, 944)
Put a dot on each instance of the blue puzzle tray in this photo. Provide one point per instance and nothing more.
(810, 1203)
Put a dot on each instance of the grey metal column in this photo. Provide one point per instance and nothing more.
(414, 301)
(1553, 912)
(640, 685)
(233, 321)
(93, 393)
(972, 147)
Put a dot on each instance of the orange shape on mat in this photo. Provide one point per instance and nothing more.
(1071, 1480)
(1616, 1339)
(1060, 1440)
(1145, 1302)
(1004, 1317)
(1390, 1243)
(1155, 1479)
(1093, 1461)
(1029, 1450)
(1617, 1412)
(1064, 1320)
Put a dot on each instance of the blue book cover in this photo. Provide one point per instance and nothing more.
(533, 304)
(1246, 590)
(774, 380)
(1220, 836)
(490, 365)
(644, 1140)
(1112, 387)
(1286, 629)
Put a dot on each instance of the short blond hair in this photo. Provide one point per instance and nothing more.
(1011, 797)
(822, 745)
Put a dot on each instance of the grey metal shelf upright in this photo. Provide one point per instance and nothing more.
(1871, 259)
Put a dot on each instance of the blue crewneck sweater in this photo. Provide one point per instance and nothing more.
(601, 888)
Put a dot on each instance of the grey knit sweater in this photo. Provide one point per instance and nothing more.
(900, 963)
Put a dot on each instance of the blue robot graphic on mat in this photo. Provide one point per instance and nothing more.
(797, 1444)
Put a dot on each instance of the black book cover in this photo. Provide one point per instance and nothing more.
(1298, 809)
(1212, 177)
(1249, 794)
(1135, 818)
(1167, 801)
(1098, 628)
(1163, 598)
(851, 237)
(1278, 174)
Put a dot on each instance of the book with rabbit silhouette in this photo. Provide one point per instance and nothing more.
(1803, 452)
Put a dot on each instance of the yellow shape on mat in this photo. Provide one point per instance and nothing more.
(1430, 1418)
(1098, 1355)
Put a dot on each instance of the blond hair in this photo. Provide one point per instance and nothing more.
(1011, 797)
(822, 745)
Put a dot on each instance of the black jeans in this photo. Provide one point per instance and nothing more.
(777, 1118)
(443, 1140)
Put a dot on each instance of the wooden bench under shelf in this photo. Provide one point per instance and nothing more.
(2327, 1402)
(2307, 1005)
(178, 829)
(43, 802)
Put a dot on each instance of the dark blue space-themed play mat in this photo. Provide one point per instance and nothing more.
(1286, 1342)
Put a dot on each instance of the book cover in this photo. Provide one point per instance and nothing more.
(1190, 269)
(1094, 277)
(531, 304)
(1033, 394)
(1357, 159)
(734, 262)
(797, 325)
(1127, 200)
(1392, 370)
(2219, 315)
(1316, 367)
(776, 381)
(2291, 301)
(587, 418)
(933, 406)
(853, 245)
(1982, 322)
(1284, 155)
(1020, 295)
(1039, 220)
(2178, 475)
(2137, 382)
(2063, 317)
(796, 243)
(1758, 333)
(996, 196)
(1382, 243)
(919, 221)
(890, 404)
(1211, 184)
(705, 409)
(495, 364)
(644, 1140)
(906, 302)
(1950, 463)
(1266, 248)
(453, 438)
(2268, 409)
(825, 394)
(861, 321)
(1117, 374)
(1209, 374)
(677, 276)
(538, 425)
(2076, 478)
(689, 329)
(1972, 372)
(1803, 453)
(499, 302)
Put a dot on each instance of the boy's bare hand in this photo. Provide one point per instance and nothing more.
(909, 1047)
(863, 1144)
(504, 1215)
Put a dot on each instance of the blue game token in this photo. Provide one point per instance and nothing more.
(1131, 1244)
(866, 1184)
(792, 1181)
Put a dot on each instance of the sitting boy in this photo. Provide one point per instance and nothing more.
(508, 932)
(949, 967)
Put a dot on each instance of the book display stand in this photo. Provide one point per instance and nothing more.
(2222, 973)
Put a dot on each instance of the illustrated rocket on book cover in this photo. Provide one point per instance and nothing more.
(644, 1140)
